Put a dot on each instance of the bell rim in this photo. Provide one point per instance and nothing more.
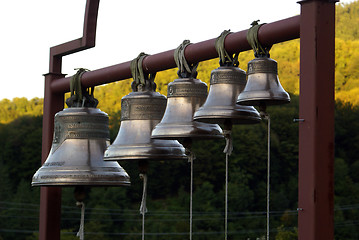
(234, 120)
(70, 184)
(142, 157)
(263, 101)
(220, 114)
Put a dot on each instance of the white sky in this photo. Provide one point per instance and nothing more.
(124, 29)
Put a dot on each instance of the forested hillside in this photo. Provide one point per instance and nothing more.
(113, 212)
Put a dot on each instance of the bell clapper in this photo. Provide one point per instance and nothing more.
(80, 194)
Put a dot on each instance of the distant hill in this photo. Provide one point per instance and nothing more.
(286, 54)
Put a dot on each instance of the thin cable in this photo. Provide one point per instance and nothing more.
(268, 174)
(143, 208)
(191, 158)
(226, 202)
(80, 233)
(228, 151)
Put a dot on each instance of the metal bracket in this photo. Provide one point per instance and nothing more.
(85, 42)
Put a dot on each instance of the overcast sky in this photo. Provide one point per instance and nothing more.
(124, 29)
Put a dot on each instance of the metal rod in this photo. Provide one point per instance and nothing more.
(50, 197)
(271, 33)
(316, 133)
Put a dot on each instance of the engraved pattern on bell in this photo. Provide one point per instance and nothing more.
(220, 105)
(228, 75)
(185, 88)
(262, 65)
(147, 107)
(133, 141)
(76, 157)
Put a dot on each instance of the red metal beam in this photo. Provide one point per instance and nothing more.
(85, 42)
(316, 133)
(270, 33)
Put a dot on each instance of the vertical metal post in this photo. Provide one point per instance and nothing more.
(316, 133)
(50, 197)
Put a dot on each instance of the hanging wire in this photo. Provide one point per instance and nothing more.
(143, 207)
(226, 59)
(266, 116)
(80, 233)
(191, 158)
(227, 132)
(187, 143)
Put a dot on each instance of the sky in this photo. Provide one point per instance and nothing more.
(124, 29)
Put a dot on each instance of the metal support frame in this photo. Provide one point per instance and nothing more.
(316, 133)
(315, 27)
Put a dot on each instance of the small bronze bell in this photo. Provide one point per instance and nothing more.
(220, 106)
(184, 97)
(227, 82)
(81, 135)
(263, 86)
(141, 111)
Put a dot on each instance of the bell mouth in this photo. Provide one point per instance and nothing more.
(166, 150)
(223, 114)
(70, 176)
(259, 98)
(194, 130)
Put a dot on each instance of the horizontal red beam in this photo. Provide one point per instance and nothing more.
(271, 33)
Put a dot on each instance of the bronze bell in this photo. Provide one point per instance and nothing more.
(263, 87)
(185, 96)
(225, 85)
(141, 112)
(81, 135)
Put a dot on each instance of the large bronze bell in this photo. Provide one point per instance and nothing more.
(141, 112)
(81, 135)
(263, 86)
(225, 85)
